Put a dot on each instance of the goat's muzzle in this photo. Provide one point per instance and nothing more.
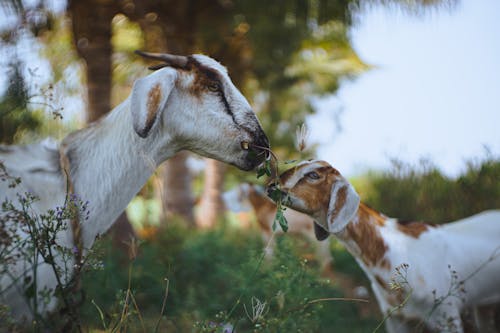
(271, 188)
(262, 142)
(258, 149)
(274, 191)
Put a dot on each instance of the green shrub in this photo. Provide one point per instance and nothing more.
(424, 193)
(214, 278)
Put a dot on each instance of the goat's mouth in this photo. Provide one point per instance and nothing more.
(255, 153)
(277, 194)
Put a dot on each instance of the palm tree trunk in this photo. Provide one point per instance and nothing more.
(91, 23)
(177, 197)
(211, 207)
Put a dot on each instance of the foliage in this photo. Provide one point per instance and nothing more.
(424, 193)
(14, 107)
(33, 240)
(217, 279)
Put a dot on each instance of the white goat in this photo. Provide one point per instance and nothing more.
(189, 102)
(446, 269)
(265, 211)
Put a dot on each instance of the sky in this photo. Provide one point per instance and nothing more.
(434, 93)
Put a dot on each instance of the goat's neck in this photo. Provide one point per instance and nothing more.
(363, 237)
(109, 163)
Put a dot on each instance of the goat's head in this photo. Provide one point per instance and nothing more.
(317, 189)
(207, 113)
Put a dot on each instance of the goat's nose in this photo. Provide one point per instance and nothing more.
(262, 142)
(259, 147)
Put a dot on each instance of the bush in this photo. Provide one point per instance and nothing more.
(424, 193)
(218, 279)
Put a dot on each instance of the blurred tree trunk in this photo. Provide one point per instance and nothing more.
(211, 207)
(177, 200)
(91, 25)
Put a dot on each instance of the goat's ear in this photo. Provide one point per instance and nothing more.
(148, 98)
(344, 202)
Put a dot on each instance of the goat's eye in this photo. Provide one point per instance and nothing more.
(214, 87)
(312, 175)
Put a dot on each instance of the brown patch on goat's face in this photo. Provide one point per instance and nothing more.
(153, 104)
(204, 77)
(314, 193)
(366, 235)
(413, 229)
(316, 198)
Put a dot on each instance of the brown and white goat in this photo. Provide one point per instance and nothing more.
(440, 270)
(265, 212)
(188, 103)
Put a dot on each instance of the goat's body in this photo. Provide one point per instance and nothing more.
(439, 259)
(107, 146)
(91, 151)
(439, 271)
(38, 167)
(108, 162)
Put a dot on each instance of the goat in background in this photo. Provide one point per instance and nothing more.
(437, 272)
(264, 208)
(188, 103)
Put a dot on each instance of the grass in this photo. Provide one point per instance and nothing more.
(205, 281)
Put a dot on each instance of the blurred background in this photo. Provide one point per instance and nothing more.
(401, 96)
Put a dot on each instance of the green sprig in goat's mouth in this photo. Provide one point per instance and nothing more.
(269, 168)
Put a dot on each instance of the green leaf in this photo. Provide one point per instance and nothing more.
(280, 217)
(276, 195)
(261, 172)
(268, 166)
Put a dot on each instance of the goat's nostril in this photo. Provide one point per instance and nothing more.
(244, 145)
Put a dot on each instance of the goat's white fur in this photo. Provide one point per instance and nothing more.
(113, 158)
(470, 247)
